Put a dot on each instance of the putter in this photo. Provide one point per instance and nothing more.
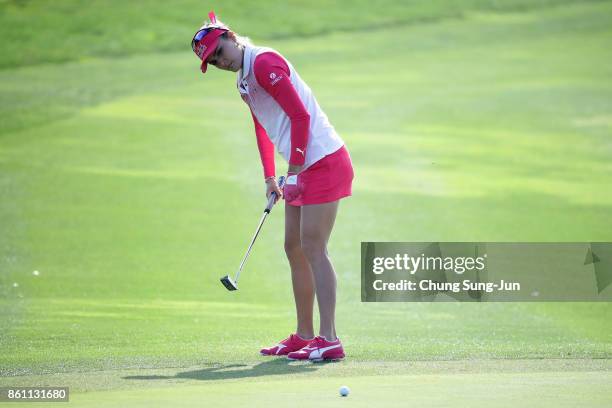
(227, 281)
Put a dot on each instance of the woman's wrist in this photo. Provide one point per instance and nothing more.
(271, 178)
(294, 168)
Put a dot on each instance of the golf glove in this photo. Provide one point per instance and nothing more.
(292, 188)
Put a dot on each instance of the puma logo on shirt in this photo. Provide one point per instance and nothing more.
(299, 150)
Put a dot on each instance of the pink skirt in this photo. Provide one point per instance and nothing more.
(327, 180)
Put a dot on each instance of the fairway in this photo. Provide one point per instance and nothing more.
(129, 184)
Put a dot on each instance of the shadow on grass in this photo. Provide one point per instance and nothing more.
(233, 371)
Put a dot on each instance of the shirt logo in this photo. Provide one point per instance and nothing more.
(299, 150)
(275, 78)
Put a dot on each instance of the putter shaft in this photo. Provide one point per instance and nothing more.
(271, 200)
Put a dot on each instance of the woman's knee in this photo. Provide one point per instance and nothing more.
(292, 247)
(313, 248)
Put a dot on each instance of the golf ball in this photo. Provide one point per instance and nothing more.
(344, 391)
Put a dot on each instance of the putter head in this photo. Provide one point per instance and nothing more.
(229, 283)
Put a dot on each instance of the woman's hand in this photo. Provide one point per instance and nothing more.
(292, 188)
(272, 187)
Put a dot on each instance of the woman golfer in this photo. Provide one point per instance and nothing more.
(287, 116)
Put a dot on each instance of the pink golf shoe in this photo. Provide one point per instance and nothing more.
(319, 349)
(291, 343)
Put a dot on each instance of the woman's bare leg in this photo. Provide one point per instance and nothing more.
(301, 274)
(317, 222)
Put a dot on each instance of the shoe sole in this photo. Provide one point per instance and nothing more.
(321, 360)
(278, 355)
(316, 360)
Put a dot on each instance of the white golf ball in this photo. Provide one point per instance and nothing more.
(35, 273)
(344, 391)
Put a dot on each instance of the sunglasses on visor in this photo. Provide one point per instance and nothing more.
(198, 36)
(202, 33)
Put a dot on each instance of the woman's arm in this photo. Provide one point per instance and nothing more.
(272, 74)
(266, 149)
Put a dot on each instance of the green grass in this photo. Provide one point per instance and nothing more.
(480, 383)
(38, 31)
(131, 184)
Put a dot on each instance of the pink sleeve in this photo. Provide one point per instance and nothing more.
(266, 148)
(272, 74)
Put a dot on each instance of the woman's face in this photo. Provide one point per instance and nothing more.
(227, 56)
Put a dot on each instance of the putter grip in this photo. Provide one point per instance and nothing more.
(281, 183)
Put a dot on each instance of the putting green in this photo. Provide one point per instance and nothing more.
(131, 185)
(275, 382)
